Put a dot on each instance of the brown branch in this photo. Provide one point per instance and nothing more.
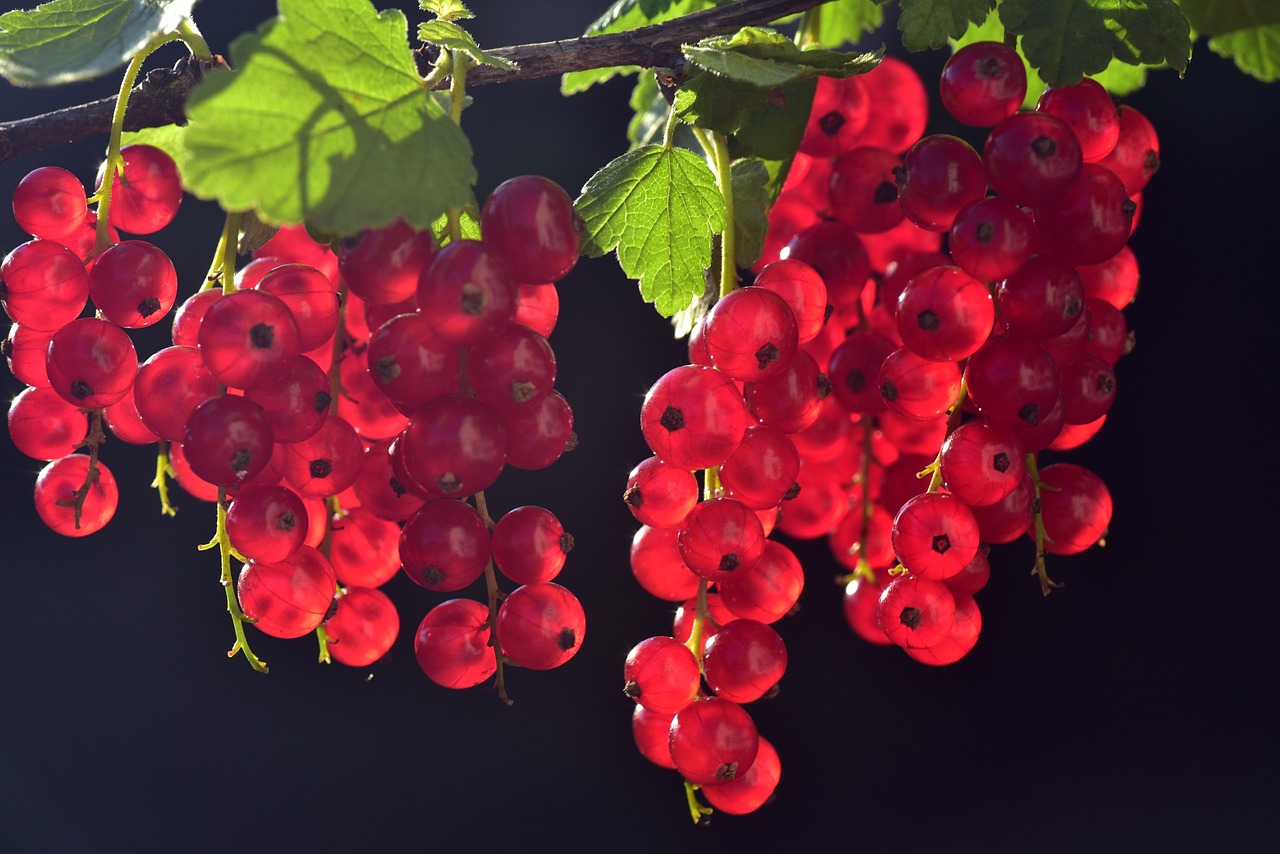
(654, 46)
(159, 99)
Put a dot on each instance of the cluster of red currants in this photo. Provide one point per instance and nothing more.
(342, 434)
(749, 388)
(951, 370)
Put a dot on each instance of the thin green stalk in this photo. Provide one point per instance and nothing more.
(1037, 519)
(457, 100)
(164, 471)
(191, 37)
(495, 599)
(223, 543)
(102, 238)
(717, 149)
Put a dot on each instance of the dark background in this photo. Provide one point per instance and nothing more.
(1133, 709)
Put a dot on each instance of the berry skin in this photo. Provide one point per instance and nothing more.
(363, 628)
(531, 222)
(43, 285)
(660, 494)
(91, 363)
(54, 492)
(693, 417)
(1076, 507)
(290, 598)
(935, 535)
(1031, 158)
(133, 284)
(751, 334)
(945, 315)
(540, 626)
(147, 193)
(744, 660)
(661, 675)
(452, 644)
(713, 741)
(983, 83)
(50, 203)
(530, 545)
(227, 440)
(749, 791)
(916, 612)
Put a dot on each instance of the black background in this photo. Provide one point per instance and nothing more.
(1133, 709)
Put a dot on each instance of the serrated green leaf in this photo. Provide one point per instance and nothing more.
(928, 24)
(750, 210)
(767, 123)
(844, 21)
(766, 58)
(626, 15)
(1255, 51)
(346, 144)
(1118, 78)
(1069, 39)
(658, 208)
(450, 36)
(1215, 17)
(68, 40)
(446, 10)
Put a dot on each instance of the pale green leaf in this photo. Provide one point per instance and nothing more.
(346, 144)
(1255, 51)
(1216, 17)
(450, 36)
(68, 40)
(928, 24)
(168, 138)
(750, 210)
(659, 209)
(468, 226)
(446, 10)
(845, 21)
(765, 58)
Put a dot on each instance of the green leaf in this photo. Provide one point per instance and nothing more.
(68, 40)
(450, 36)
(446, 10)
(346, 144)
(1255, 51)
(768, 123)
(1247, 31)
(1216, 17)
(626, 15)
(927, 24)
(659, 208)
(766, 58)
(468, 222)
(750, 210)
(1068, 39)
(1118, 78)
(171, 139)
(846, 20)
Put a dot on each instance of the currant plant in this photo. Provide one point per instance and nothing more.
(886, 329)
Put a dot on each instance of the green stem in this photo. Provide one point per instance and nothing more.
(191, 37)
(699, 812)
(496, 596)
(717, 149)
(164, 471)
(238, 618)
(102, 238)
(1037, 519)
(457, 100)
